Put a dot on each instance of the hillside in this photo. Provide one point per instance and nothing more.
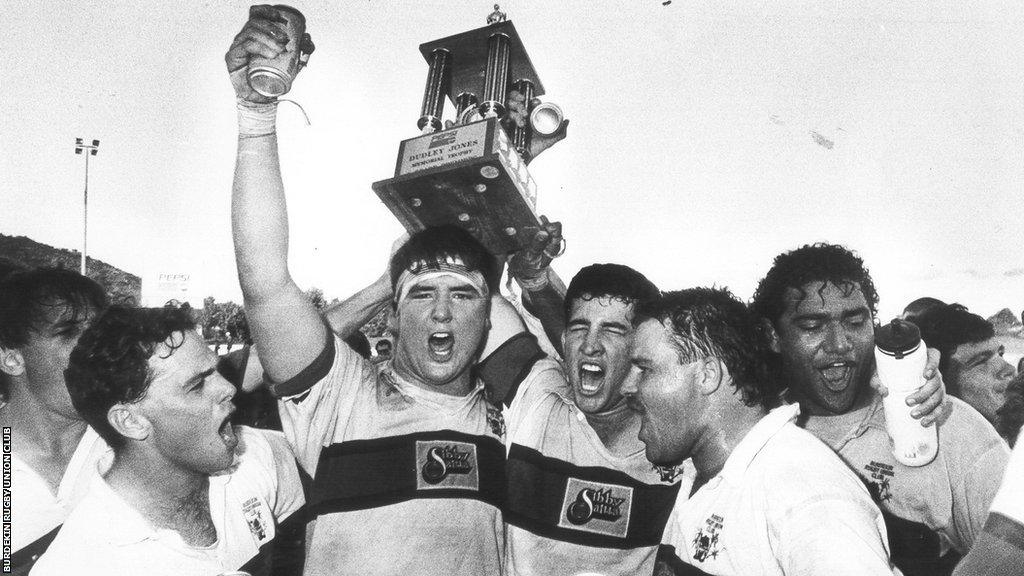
(121, 286)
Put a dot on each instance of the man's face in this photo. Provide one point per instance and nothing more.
(188, 405)
(666, 394)
(982, 375)
(597, 341)
(47, 352)
(440, 325)
(827, 344)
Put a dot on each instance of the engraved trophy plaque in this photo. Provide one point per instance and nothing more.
(473, 173)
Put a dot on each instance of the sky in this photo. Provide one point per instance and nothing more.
(705, 138)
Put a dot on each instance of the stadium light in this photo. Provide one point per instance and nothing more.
(92, 148)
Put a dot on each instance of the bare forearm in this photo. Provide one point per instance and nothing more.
(346, 317)
(259, 219)
(547, 304)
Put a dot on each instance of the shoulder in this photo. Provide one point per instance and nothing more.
(804, 465)
(966, 436)
(262, 449)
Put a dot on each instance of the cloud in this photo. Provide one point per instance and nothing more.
(1014, 273)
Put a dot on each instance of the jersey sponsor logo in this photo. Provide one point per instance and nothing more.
(705, 542)
(443, 464)
(879, 475)
(252, 511)
(596, 507)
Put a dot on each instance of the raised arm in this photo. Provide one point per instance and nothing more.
(285, 325)
(530, 268)
(346, 317)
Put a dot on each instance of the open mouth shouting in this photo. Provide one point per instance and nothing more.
(837, 375)
(227, 431)
(591, 377)
(441, 345)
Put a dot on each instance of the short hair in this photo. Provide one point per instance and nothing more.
(613, 281)
(26, 295)
(437, 243)
(706, 322)
(948, 326)
(110, 364)
(915, 309)
(821, 262)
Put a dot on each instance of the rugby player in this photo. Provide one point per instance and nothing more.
(183, 492)
(770, 499)
(820, 301)
(406, 456)
(43, 312)
(582, 497)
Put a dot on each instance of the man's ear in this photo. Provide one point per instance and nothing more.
(711, 376)
(12, 362)
(772, 335)
(127, 421)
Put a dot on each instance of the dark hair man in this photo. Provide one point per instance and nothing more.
(972, 363)
(184, 491)
(43, 312)
(771, 498)
(923, 304)
(406, 456)
(582, 497)
(821, 302)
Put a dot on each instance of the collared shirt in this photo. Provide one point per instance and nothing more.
(949, 496)
(105, 536)
(405, 480)
(782, 504)
(36, 512)
(574, 507)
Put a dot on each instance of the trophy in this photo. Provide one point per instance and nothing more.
(473, 173)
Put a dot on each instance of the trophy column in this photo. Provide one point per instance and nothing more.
(438, 77)
(496, 76)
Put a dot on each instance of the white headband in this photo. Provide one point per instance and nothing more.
(424, 270)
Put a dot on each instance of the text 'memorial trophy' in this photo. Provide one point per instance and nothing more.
(473, 173)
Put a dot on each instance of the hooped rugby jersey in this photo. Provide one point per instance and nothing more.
(930, 509)
(405, 480)
(105, 536)
(783, 504)
(36, 512)
(573, 506)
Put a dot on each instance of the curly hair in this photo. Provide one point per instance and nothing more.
(110, 363)
(614, 281)
(821, 262)
(436, 243)
(712, 322)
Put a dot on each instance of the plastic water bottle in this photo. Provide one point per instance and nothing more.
(901, 357)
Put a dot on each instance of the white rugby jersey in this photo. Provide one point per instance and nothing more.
(36, 512)
(405, 480)
(782, 504)
(929, 508)
(105, 536)
(574, 507)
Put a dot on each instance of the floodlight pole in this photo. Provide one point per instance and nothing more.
(92, 150)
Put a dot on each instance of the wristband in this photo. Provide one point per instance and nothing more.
(255, 120)
(534, 284)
